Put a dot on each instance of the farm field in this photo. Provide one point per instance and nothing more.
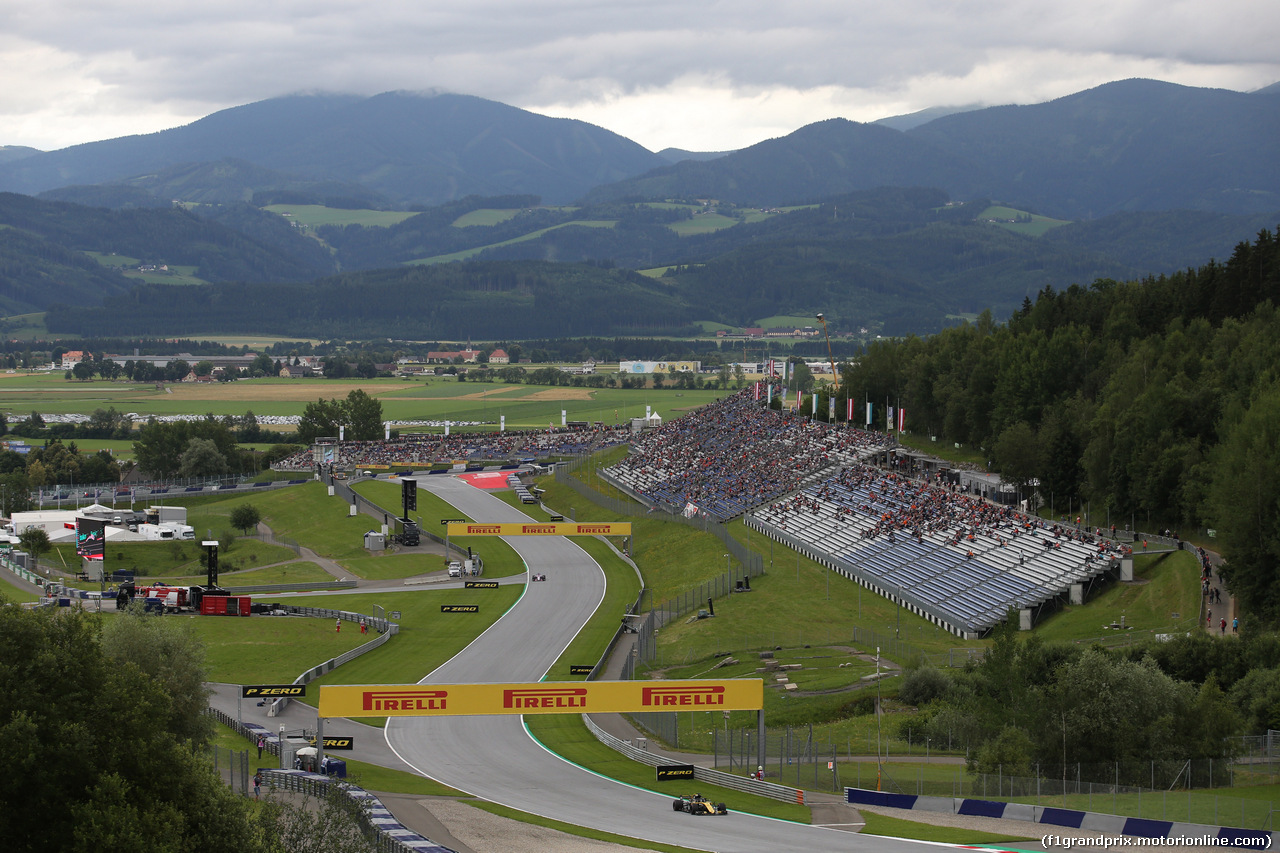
(484, 216)
(532, 235)
(312, 215)
(1036, 227)
(402, 399)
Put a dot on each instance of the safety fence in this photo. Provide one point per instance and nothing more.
(702, 774)
(382, 626)
(233, 767)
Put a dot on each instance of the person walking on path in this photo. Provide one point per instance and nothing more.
(262, 741)
(257, 785)
(338, 627)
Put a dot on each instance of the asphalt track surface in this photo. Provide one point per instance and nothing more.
(496, 759)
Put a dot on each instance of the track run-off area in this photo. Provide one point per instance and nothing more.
(496, 759)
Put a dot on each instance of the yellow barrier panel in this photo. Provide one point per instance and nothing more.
(566, 697)
(551, 528)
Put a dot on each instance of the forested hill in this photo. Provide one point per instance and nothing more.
(1157, 401)
(42, 241)
(447, 302)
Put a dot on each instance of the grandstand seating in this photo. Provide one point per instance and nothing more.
(956, 560)
(734, 454)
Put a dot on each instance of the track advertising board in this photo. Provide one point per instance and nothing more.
(565, 697)
(91, 538)
(554, 528)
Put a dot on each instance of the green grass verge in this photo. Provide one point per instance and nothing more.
(427, 637)
(570, 829)
(372, 777)
(567, 736)
(1164, 597)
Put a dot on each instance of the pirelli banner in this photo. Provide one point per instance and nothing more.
(571, 697)
(554, 528)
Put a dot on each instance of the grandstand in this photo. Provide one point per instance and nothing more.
(733, 455)
(952, 558)
(427, 449)
(945, 553)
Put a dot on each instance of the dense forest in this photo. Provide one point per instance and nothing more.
(1157, 401)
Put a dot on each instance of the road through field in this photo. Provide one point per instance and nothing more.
(495, 758)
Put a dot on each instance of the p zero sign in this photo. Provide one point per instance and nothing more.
(570, 697)
(554, 528)
(253, 691)
(674, 771)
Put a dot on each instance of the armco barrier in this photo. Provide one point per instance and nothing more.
(390, 835)
(702, 774)
(383, 627)
(1106, 824)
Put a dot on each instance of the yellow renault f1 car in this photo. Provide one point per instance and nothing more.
(698, 804)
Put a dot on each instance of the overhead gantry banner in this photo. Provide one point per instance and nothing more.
(567, 697)
(551, 528)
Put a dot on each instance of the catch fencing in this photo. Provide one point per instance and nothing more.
(233, 767)
(713, 777)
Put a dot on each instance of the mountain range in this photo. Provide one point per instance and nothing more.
(896, 226)
(1123, 146)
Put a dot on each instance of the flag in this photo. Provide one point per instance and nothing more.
(799, 400)
(757, 390)
(831, 409)
(814, 409)
(849, 414)
(770, 400)
(868, 414)
(784, 398)
(902, 419)
(888, 421)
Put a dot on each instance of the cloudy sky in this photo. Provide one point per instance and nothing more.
(708, 75)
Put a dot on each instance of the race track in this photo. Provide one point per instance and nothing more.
(494, 757)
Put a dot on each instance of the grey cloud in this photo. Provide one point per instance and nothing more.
(197, 57)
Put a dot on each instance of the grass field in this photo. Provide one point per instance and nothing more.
(485, 216)
(1035, 228)
(402, 399)
(312, 215)
(532, 235)
(702, 223)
